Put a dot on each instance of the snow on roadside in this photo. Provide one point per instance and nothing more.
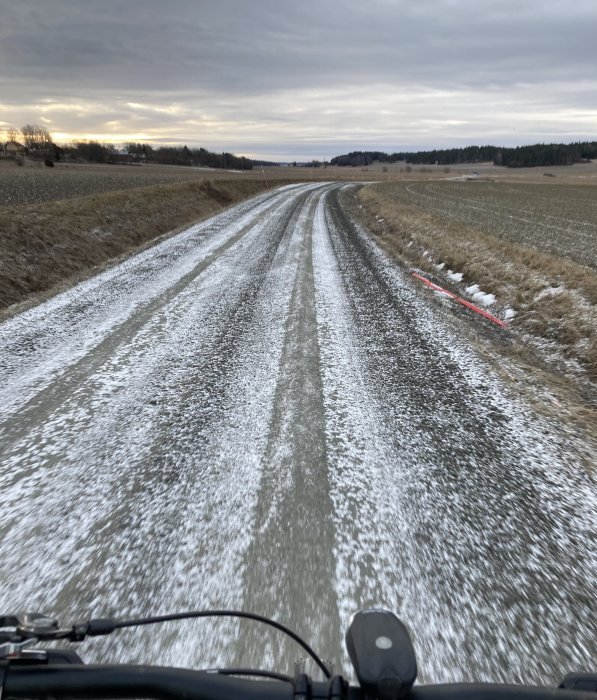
(486, 299)
(479, 296)
(473, 290)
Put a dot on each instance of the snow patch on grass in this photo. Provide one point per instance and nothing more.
(479, 296)
(455, 276)
(549, 292)
(484, 299)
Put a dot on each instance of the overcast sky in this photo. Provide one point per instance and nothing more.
(304, 79)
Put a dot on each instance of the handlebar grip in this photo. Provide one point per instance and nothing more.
(124, 681)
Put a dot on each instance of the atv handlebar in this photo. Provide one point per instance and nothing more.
(163, 683)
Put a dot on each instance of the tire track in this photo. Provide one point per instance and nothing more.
(280, 423)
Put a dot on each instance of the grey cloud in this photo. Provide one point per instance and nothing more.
(264, 45)
(253, 62)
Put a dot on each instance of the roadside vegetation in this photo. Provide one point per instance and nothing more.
(47, 246)
(532, 247)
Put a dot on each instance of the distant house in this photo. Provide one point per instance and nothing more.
(11, 149)
(124, 156)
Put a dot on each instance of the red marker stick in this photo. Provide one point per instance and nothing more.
(464, 302)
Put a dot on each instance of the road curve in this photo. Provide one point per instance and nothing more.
(263, 413)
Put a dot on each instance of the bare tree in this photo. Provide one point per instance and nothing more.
(29, 135)
(11, 134)
(37, 138)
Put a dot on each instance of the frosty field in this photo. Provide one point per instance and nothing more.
(556, 219)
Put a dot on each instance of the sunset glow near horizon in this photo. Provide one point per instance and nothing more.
(319, 81)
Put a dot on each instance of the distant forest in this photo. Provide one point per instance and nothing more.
(521, 157)
(169, 155)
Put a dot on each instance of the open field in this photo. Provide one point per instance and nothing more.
(34, 183)
(533, 246)
(557, 219)
(577, 174)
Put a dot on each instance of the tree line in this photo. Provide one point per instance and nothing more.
(199, 157)
(37, 141)
(96, 152)
(520, 157)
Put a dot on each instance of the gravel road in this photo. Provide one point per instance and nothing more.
(264, 413)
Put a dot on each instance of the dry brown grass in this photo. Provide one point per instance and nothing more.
(554, 297)
(44, 247)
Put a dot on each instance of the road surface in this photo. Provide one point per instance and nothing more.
(264, 413)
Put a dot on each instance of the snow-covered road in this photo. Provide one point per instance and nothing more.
(263, 413)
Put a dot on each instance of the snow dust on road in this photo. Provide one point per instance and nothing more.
(262, 413)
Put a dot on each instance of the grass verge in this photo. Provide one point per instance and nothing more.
(554, 299)
(47, 247)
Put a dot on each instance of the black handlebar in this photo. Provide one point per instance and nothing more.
(494, 691)
(162, 683)
(124, 681)
(378, 644)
